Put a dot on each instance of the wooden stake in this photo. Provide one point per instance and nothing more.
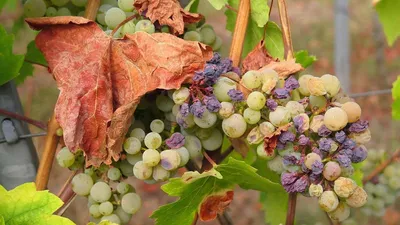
(287, 38)
(240, 31)
(42, 177)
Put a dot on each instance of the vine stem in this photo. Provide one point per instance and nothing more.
(66, 194)
(50, 146)
(123, 22)
(291, 209)
(382, 166)
(23, 118)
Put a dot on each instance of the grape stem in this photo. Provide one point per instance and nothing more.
(291, 209)
(209, 159)
(231, 8)
(134, 16)
(23, 118)
(382, 166)
(36, 63)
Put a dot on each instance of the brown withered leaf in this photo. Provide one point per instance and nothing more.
(284, 68)
(167, 12)
(270, 141)
(102, 79)
(213, 205)
(257, 58)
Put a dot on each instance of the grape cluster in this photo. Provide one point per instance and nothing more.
(112, 12)
(383, 189)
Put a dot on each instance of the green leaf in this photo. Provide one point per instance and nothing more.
(254, 34)
(388, 13)
(396, 99)
(192, 6)
(192, 194)
(9, 63)
(2, 220)
(358, 176)
(25, 205)
(218, 4)
(304, 58)
(33, 56)
(259, 12)
(274, 213)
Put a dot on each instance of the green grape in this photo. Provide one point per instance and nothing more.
(50, 12)
(266, 128)
(128, 28)
(114, 174)
(251, 116)
(111, 218)
(381, 190)
(207, 120)
(358, 198)
(201, 22)
(133, 159)
(124, 188)
(106, 208)
(344, 187)
(175, 110)
(184, 155)
(160, 174)
(303, 81)
(276, 164)
(214, 142)
(331, 171)
(203, 133)
(188, 120)
(132, 145)
(153, 140)
(331, 84)
(317, 102)
(390, 171)
(126, 168)
(341, 213)
(164, 103)
(234, 126)
(126, 5)
(63, 12)
(328, 201)
(170, 159)
(192, 36)
(193, 145)
(378, 204)
(109, 2)
(123, 216)
(82, 184)
(165, 29)
(59, 2)
(141, 171)
(114, 16)
(190, 27)
(294, 108)
(221, 88)
(181, 95)
(394, 183)
(217, 44)
(82, 14)
(151, 157)
(279, 117)
(94, 210)
(264, 154)
(79, 3)
(65, 158)
(335, 119)
(131, 203)
(256, 100)
(102, 13)
(208, 35)
(91, 201)
(226, 110)
(270, 79)
(157, 126)
(34, 8)
(353, 111)
(79, 161)
(100, 192)
(169, 116)
(138, 133)
(145, 26)
(252, 79)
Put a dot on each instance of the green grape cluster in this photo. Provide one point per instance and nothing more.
(384, 189)
(203, 33)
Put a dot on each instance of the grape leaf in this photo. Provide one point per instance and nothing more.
(259, 12)
(218, 4)
(273, 38)
(167, 12)
(192, 6)
(192, 194)
(274, 213)
(33, 55)
(101, 79)
(9, 63)
(396, 99)
(25, 205)
(388, 13)
(304, 58)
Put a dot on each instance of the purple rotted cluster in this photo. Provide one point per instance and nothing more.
(236, 95)
(176, 140)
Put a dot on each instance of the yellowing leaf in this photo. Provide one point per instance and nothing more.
(25, 205)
